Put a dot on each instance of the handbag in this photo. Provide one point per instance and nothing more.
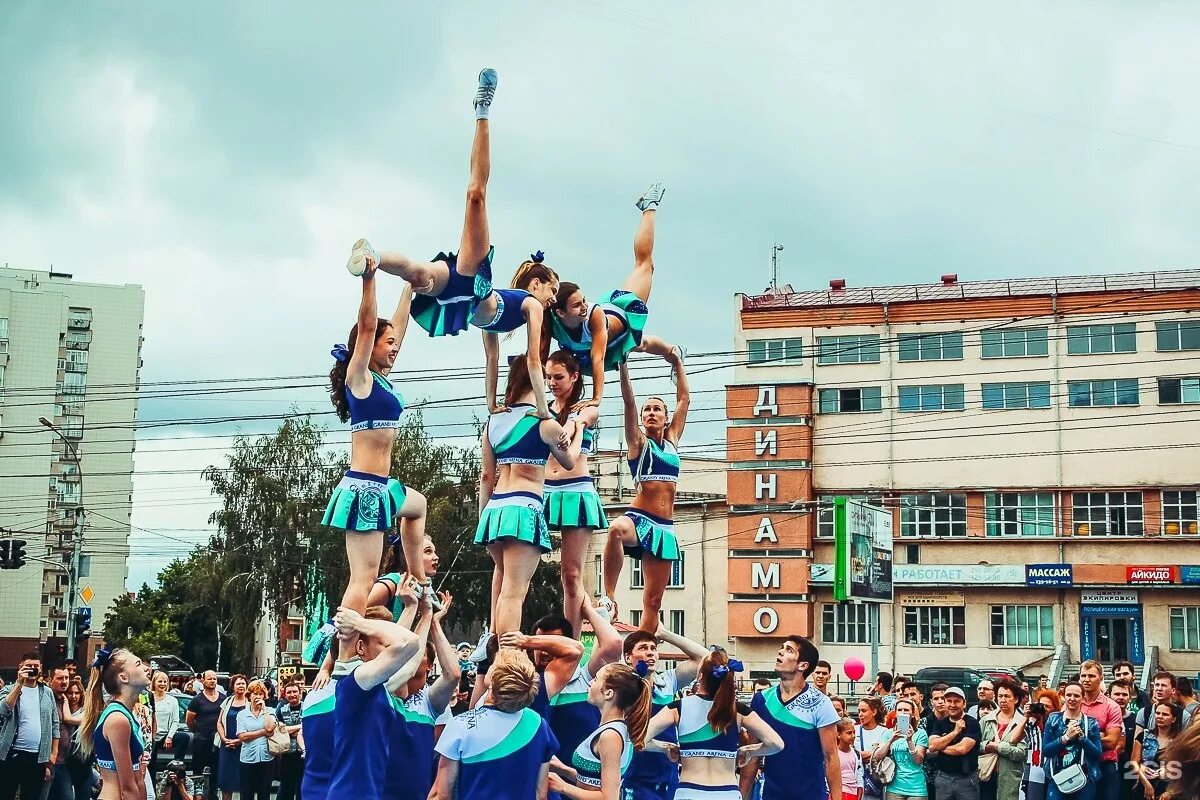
(217, 743)
(1071, 778)
(874, 783)
(279, 741)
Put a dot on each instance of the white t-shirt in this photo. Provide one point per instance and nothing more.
(29, 718)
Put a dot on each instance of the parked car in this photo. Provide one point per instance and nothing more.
(165, 757)
(996, 673)
(964, 678)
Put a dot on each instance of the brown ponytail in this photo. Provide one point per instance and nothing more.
(721, 689)
(531, 271)
(337, 375)
(102, 679)
(518, 381)
(566, 360)
(632, 694)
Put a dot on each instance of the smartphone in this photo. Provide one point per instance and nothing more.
(903, 723)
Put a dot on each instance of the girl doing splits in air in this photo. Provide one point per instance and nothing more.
(573, 507)
(455, 289)
(602, 334)
(367, 499)
(516, 446)
(647, 530)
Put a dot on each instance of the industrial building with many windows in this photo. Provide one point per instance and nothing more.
(1037, 442)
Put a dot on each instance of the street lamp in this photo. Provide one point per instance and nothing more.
(76, 543)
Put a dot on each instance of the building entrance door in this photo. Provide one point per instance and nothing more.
(1111, 635)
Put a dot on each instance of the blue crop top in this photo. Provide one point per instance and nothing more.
(381, 408)
(101, 745)
(697, 738)
(655, 463)
(515, 437)
(509, 315)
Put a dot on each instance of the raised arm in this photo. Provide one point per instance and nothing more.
(491, 375)
(402, 314)
(564, 651)
(410, 667)
(358, 371)
(664, 719)
(683, 399)
(633, 417)
(685, 672)
(398, 646)
(607, 648)
(598, 328)
(533, 354)
(442, 690)
(488, 470)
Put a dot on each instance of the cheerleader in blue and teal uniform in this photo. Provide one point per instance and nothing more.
(516, 446)
(110, 731)
(601, 335)
(646, 531)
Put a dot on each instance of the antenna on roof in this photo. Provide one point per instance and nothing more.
(775, 248)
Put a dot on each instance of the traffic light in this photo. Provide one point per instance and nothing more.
(4, 553)
(83, 621)
(16, 558)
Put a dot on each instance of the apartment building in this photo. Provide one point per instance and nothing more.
(1036, 441)
(69, 353)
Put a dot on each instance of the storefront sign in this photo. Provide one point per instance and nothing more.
(1048, 575)
(1155, 574)
(955, 574)
(1109, 597)
(1189, 574)
(932, 599)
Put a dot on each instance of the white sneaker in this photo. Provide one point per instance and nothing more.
(651, 197)
(434, 600)
(357, 265)
(488, 79)
(479, 654)
(606, 608)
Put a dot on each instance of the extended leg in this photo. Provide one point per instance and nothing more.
(655, 572)
(412, 533)
(520, 563)
(425, 277)
(574, 549)
(363, 551)
(496, 551)
(641, 280)
(620, 533)
(475, 237)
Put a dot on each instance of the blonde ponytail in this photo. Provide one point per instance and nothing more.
(103, 677)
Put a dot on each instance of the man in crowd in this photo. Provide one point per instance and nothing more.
(1185, 695)
(954, 738)
(1120, 691)
(820, 677)
(761, 684)
(805, 719)
(1043, 682)
(60, 786)
(986, 692)
(201, 719)
(291, 763)
(72, 669)
(931, 713)
(1108, 718)
(29, 732)
(937, 702)
(1162, 690)
(1123, 671)
(883, 690)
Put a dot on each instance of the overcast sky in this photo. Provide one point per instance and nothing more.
(226, 155)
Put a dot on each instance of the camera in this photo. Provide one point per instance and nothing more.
(176, 770)
(1037, 708)
(35, 671)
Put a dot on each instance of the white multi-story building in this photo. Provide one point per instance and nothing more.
(69, 353)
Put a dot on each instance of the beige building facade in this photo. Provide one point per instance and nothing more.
(69, 353)
(1035, 442)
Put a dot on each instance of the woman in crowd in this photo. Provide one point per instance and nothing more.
(110, 730)
(1152, 743)
(78, 765)
(166, 718)
(1071, 738)
(709, 723)
(851, 764)
(602, 335)
(647, 530)
(573, 507)
(839, 705)
(1009, 741)
(254, 725)
(869, 733)
(512, 525)
(502, 749)
(229, 776)
(906, 744)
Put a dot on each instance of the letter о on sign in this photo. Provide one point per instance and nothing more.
(766, 620)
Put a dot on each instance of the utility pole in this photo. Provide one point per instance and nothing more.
(76, 544)
(775, 248)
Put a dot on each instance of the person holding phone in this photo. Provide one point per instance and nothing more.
(29, 727)
(906, 745)
(1072, 737)
(174, 783)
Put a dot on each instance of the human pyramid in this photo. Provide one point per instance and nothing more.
(541, 719)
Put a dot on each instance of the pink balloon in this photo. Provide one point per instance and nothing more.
(854, 668)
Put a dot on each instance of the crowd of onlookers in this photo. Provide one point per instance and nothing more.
(1083, 739)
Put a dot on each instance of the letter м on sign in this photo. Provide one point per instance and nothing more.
(764, 578)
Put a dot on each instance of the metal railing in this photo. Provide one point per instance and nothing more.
(1058, 664)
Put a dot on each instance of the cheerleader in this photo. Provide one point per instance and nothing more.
(110, 730)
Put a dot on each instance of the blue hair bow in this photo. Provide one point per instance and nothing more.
(340, 353)
(736, 665)
(101, 659)
(537, 257)
(721, 670)
(642, 669)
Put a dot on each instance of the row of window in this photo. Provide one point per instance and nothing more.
(1171, 336)
(1009, 625)
(1111, 513)
(676, 622)
(1009, 395)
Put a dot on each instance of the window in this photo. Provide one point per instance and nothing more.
(1014, 343)
(677, 572)
(3, 327)
(1119, 392)
(1107, 513)
(1089, 339)
(775, 351)
(1016, 395)
(636, 581)
(85, 566)
(68, 493)
(1179, 512)
(76, 361)
(1019, 513)
(845, 623)
(934, 625)
(635, 617)
(72, 426)
(1172, 391)
(1, 376)
(676, 625)
(934, 397)
(1022, 626)
(1185, 628)
(933, 514)
(74, 383)
(862, 349)
(930, 346)
(1171, 335)
(848, 401)
(825, 511)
